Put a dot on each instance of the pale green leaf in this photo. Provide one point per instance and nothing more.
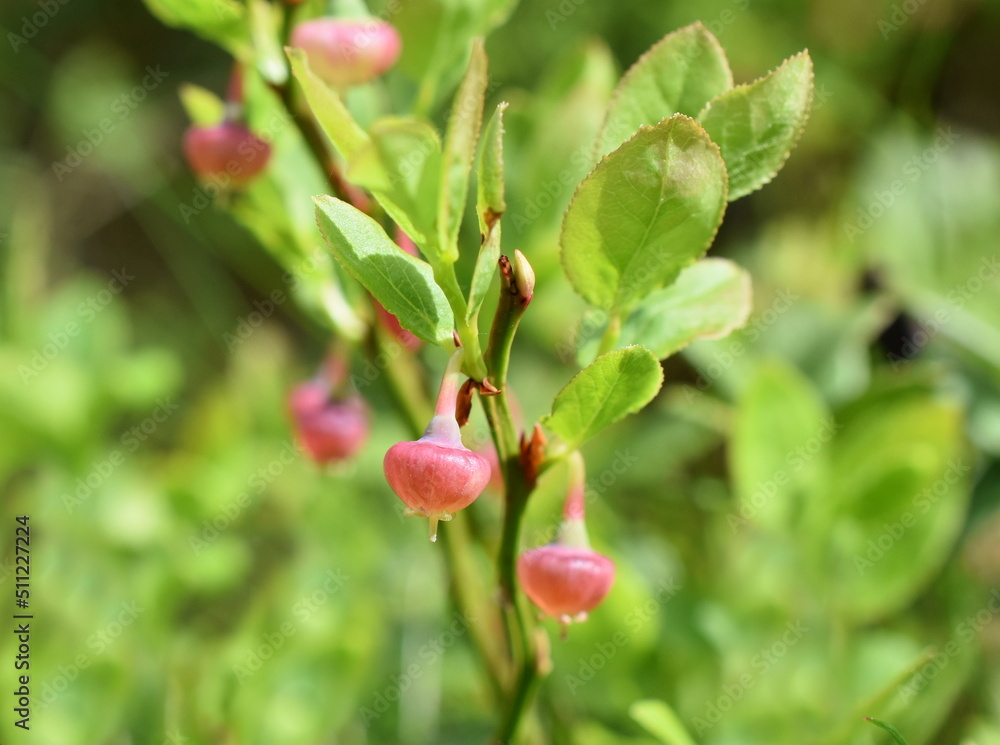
(679, 74)
(223, 22)
(780, 448)
(614, 385)
(403, 284)
(333, 117)
(648, 210)
(661, 721)
(203, 107)
(486, 264)
(401, 166)
(436, 36)
(895, 510)
(757, 125)
(265, 27)
(491, 201)
(896, 735)
(709, 300)
(461, 138)
(490, 205)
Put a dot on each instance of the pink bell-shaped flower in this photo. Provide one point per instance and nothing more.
(347, 52)
(228, 151)
(330, 428)
(437, 475)
(566, 578)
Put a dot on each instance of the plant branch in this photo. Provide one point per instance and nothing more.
(516, 291)
(611, 335)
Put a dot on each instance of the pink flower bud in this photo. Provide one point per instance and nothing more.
(330, 430)
(347, 52)
(227, 150)
(437, 475)
(566, 578)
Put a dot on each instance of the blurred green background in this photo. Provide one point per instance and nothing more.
(804, 522)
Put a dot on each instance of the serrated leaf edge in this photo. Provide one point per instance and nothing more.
(634, 69)
(801, 126)
(576, 191)
(545, 419)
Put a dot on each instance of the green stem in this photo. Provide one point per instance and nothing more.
(611, 335)
(512, 303)
(517, 624)
(523, 691)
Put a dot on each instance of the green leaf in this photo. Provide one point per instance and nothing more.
(888, 728)
(896, 508)
(223, 22)
(709, 300)
(780, 447)
(461, 137)
(203, 107)
(491, 201)
(401, 166)
(436, 35)
(403, 284)
(490, 205)
(333, 117)
(482, 275)
(265, 28)
(649, 209)
(615, 384)
(679, 74)
(756, 125)
(660, 721)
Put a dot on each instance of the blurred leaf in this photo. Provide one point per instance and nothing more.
(679, 74)
(660, 720)
(779, 448)
(756, 125)
(401, 165)
(334, 118)
(403, 284)
(265, 27)
(203, 107)
(461, 138)
(221, 21)
(549, 145)
(436, 37)
(888, 728)
(648, 210)
(897, 502)
(490, 205)
(614, 385)
(923, 213)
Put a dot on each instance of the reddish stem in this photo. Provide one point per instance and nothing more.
(234, 93)
(448, 395)
(575, 506)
